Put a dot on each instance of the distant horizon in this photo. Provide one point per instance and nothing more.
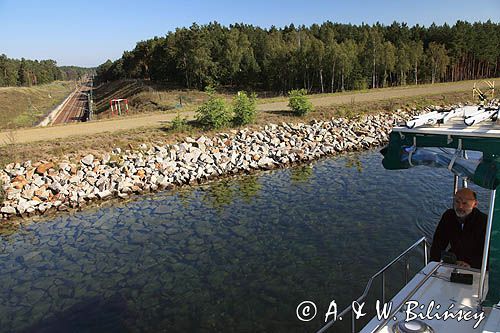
(111, 27)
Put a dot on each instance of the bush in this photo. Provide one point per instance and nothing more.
(298, 102)
(245, 109)
(179, 124)
(214, 113)
(360, 84)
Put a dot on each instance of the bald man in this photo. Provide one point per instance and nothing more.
(463, 228)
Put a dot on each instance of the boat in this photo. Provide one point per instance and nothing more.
(442, 296)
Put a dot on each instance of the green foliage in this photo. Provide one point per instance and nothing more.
(329, 56)
(179, 124)
(345, 111)
(439, 60)
(72, 73)
(360, 84)
(348, 53)
(244, 108)
(24, 72)
(299, 103)
(214, 113)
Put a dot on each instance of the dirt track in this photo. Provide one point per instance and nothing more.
(160, 119)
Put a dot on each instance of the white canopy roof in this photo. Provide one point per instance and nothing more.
(456, 124)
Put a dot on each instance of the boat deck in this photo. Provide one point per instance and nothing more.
(434, 301)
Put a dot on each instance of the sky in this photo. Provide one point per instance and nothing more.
(87, 33)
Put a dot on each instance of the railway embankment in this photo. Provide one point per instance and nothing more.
(48, 120)
(24, 107)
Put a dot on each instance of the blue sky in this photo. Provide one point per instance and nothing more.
(86, 33)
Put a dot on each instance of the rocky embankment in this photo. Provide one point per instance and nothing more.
(36, 188)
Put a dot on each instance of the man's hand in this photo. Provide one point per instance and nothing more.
(463, 264)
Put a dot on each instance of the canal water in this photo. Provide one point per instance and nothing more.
(237, 255)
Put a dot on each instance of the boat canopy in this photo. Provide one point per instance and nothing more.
(468, 148)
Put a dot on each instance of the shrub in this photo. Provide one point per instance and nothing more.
(245, 109)
(179, 124)
(344, 111)
(299, 103)
(360, 84)
(214, 113)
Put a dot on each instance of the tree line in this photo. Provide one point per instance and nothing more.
(320, 58)
(26, 73)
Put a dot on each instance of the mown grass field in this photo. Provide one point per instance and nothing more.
(26, 106)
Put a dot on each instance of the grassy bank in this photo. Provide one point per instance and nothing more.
(26, 106)
(147, 97)
(81, 145)
(143, 96)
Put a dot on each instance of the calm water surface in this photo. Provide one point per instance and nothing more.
(236, 255)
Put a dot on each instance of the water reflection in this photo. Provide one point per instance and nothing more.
(184, 195)
(301, 174)
(234, 255)
(353, 161)
(8, 228)
(249, 187)
(219, 194)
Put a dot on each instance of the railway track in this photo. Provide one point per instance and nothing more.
(75, 108)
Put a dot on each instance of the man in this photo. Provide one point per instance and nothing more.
(464, 229)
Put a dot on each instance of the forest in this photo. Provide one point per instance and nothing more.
(320, 58)
(27, 73)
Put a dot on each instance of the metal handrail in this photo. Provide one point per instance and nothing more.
(422, 240)
(407, 298)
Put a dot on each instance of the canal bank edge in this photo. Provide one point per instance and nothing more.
(36, 188)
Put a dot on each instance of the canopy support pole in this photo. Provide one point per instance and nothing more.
(486, 248)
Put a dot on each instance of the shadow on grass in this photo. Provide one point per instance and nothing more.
(280, 112)
(118, 89)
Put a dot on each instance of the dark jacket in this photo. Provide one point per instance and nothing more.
(467, 244)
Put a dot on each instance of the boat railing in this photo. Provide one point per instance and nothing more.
(421, 242)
